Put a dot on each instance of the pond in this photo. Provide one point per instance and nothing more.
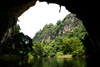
(43, 62)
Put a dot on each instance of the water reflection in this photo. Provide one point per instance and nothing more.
(44, 62)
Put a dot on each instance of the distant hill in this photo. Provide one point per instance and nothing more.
(50, 31)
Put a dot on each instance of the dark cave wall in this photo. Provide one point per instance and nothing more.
(10, 10)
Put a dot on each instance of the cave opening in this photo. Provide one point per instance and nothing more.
(44, 23)
(39, 16)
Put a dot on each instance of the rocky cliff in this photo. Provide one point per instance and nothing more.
(50, 31)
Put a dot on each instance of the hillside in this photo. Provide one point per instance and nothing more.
(50, 31)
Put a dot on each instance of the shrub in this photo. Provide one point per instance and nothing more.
(79, 52)
(59, 53)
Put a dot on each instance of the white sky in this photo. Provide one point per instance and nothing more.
(37, 16)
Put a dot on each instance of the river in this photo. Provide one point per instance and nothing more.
(43, 62)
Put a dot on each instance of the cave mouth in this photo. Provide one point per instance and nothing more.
(40, 14)
(48, 13)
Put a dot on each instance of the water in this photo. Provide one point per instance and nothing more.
(44, 62)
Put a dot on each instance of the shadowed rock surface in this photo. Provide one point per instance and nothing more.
(10, 10)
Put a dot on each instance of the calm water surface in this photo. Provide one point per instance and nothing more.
(43, 62)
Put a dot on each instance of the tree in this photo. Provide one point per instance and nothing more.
(45, 51)
(66, 46)
(59, 53)
(51, 51)
(59, 22)
(37, 49)
(69, 45)
(79, 52)
(22, 43)
(44, 42)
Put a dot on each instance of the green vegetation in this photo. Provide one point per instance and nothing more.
(19, 44)
(64, 38)
(69, 44)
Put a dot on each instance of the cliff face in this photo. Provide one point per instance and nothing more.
(50, 31)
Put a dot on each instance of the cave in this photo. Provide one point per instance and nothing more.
(87, 11)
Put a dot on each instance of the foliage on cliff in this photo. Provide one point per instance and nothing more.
(50, 31)
(70, 43)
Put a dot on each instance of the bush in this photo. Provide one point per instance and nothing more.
(74, 54)
(59, 53)
(51, 54)
(79, 52)
(30, 55)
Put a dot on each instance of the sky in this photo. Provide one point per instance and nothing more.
(35, 18)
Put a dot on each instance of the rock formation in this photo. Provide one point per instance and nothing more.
(50, 31)
(10, 10)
